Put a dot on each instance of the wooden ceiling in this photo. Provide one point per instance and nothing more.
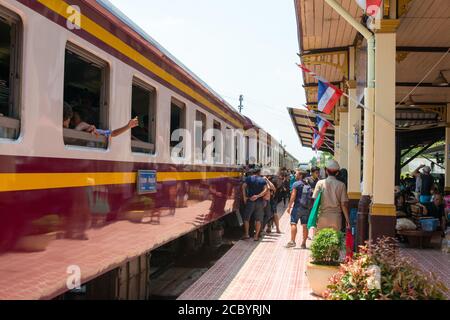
(321, 27)
(304, 123)
(423, 38)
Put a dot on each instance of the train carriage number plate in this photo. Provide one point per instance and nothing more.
(146, 181)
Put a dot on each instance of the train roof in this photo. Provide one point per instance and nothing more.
(246, 121)
(106, 4)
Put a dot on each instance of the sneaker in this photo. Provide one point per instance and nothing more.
(303, 246)
(291, 244)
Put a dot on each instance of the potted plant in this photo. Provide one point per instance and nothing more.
(325, 254)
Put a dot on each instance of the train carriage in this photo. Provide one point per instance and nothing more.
(177, 171)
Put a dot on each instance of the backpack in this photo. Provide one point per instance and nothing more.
(305, 199)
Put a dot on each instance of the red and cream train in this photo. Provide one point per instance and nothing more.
(56, 180)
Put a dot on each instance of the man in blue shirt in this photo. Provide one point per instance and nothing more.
(254, 189)
(299, 210)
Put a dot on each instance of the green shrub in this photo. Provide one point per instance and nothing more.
(397, 278)
(326, 247)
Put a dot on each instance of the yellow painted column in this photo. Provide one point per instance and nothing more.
(383, 211)
(343, 140)
(447, 153)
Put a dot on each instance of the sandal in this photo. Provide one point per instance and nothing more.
(245, 238)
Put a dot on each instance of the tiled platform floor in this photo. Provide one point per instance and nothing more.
(431, 261)
(268, 271)
(251, 270)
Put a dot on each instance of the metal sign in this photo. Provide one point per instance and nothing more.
(146, 181)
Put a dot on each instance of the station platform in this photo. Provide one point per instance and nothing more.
(263, 270)
(266, 270)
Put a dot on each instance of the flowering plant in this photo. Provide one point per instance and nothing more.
(379, 272)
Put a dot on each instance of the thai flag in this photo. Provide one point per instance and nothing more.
(317, 141)
(322, 125)
(371, 7)
(329, 95)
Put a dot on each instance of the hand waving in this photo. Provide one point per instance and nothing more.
(133, 123)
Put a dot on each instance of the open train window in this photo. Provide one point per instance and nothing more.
(177, 123)
(85, 93)
(228, 145)
(10, 35)
(247, 150)
(200, 130)
(143, 107)
(217, 142)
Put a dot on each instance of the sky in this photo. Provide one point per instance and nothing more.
(246, 47)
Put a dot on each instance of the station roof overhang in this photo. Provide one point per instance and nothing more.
(305, 122)
(422, 40)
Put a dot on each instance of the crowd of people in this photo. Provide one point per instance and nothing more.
(420, 190)
(262, 192)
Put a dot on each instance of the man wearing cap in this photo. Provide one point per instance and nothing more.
(426, 183)
(334, 199)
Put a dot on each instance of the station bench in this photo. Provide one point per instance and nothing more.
(418, 238)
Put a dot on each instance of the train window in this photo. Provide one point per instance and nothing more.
(85, 93)
(217, 142)
(143, 107)
(236, 150)
(227, 146)
(10, 31)
(247, 150)
(177, 122)
(200, 130)
(258, 156)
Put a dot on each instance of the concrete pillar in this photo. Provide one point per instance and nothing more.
(383, 211)
(337, 153)
(447, 152)
(354, 147)
(343, 138)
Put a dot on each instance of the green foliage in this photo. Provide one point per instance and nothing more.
(398, 278)
(326, 247)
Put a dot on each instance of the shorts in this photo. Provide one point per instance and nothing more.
(256, 209)
(301, 214)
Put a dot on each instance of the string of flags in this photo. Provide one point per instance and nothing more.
(328, 97)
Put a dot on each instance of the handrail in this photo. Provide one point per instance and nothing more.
(81, 135)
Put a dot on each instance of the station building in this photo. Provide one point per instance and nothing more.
(398, 68)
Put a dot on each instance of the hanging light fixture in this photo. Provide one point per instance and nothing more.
(441, 81)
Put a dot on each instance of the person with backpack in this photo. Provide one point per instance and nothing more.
(299, 207)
